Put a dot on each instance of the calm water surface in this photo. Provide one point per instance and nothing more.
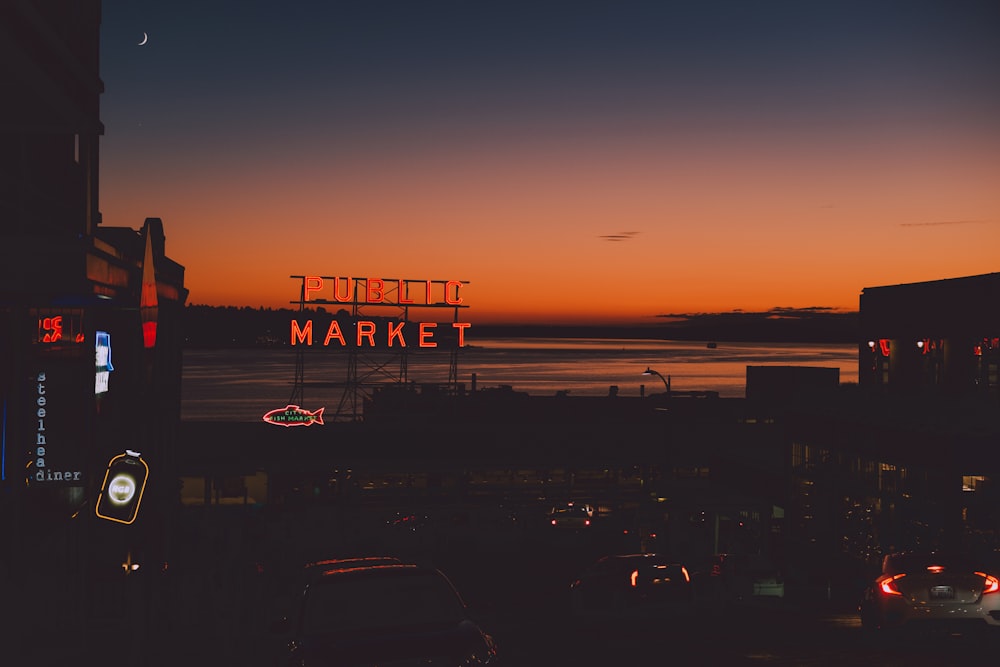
(241, 385)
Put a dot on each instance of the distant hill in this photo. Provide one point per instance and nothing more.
(230, 326)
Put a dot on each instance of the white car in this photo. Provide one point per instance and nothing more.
(934, 586)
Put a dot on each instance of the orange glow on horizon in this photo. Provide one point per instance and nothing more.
(569, 241)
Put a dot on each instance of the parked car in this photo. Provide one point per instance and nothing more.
(931, 587)
(393, 613)
(571, 515)
(632, 583)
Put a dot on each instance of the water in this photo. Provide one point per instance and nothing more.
(241, 385)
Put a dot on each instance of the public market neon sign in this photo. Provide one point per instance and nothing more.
(358, 292)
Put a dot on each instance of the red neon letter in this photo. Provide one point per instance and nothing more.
(461, 326)
(53, 325)
(447, 299)
(403, 290)
(366, 329)
(425, 334)
(302, 335)
(334, 332)
(427, 296)
(311, 284)
(396, 332)
(376, 290)
(336, 290)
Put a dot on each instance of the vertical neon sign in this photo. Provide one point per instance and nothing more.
(102, 354)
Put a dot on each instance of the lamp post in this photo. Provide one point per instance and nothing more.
(666, 380)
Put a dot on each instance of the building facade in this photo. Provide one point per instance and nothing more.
(90, 340)
(941, 336)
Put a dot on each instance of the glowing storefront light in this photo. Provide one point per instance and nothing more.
(148, 301)
(59, 327)
(102, 353)
(121, 491)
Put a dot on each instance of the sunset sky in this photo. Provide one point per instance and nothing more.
(576, 162)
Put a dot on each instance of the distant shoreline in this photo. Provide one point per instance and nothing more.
(762, 334)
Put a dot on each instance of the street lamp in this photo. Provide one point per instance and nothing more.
(666, 380)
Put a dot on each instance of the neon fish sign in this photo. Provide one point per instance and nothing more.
(293, 415)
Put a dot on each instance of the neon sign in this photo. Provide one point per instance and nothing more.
(400, 293)
(293, 415)
(387, 291)
(367, 331)
(121, 491)
(148, 308)
(102, 353)
(61, 328)
(40, 462)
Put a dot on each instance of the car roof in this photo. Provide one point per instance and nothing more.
(388, 570)
(382, 570)
(358, 561)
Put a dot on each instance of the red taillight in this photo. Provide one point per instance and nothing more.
(587, 522)
(888, 586)
(991, 584)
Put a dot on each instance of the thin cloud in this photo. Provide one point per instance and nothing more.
(939, 223)
(623, 236)
(777, 311)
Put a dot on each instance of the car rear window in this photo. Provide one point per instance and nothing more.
(357, 603)
(915, 562)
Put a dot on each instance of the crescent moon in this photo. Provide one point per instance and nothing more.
(145, 38)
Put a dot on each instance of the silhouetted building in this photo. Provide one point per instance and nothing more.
(90, 342)
(940, 336)
(791, 383)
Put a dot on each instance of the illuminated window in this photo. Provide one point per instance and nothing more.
(971, 483)
(58, 326)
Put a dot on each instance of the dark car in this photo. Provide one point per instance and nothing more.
(631, 584)
(571, 515)
(393, 613)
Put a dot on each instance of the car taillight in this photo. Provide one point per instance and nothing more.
(888, 586)
(991, 584)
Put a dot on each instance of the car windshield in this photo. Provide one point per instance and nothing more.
(581, 511)
(368, 602)
(918, 561)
